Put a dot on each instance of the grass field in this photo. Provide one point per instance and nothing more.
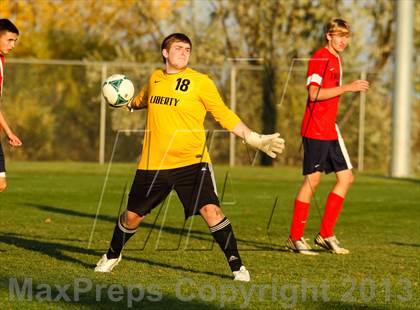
(48, 212)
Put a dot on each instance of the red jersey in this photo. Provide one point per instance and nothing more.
(324, 70)
(1, 73)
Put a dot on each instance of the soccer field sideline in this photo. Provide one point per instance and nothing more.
(49, 208)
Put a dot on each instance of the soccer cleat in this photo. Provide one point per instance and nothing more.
(106, 265)
(331, 244)
(241, 275)
(300, 246)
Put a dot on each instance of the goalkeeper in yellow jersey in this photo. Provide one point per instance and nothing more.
(175, 155)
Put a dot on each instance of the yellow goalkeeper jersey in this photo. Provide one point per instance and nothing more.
(177, 105)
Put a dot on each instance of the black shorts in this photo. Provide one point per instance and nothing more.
(194, 185)
(2, 161)
(324, 156)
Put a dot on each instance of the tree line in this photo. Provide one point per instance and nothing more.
(56, 109)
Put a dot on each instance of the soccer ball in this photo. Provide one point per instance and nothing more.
(118, 90)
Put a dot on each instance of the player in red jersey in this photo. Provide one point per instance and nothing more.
(324, 149)
(8, 37)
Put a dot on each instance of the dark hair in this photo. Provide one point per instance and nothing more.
(172, 38)
(7, 25)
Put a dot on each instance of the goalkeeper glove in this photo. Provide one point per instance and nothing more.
(269, 144)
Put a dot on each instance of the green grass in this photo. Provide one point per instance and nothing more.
(48, 212)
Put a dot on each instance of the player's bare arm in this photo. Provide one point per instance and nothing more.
(316, 93)
(13, 139)
(139, 102)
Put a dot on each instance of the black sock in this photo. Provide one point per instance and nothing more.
(119, 238)
(223, 234)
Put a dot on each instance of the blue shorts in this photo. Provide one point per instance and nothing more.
(324, 156)
(2, 161)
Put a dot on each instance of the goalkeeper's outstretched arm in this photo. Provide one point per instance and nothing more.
(138, 102)
(270, 144)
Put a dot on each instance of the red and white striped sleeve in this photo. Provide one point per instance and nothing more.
(316, 69)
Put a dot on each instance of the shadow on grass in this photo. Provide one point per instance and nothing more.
(24, 293)
(55, 250)
(341, 305)
(29, 292)
(195, 234)
(415, 245)
(52, 249)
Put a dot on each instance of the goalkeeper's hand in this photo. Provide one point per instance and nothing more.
(269, 144)
(127, 106)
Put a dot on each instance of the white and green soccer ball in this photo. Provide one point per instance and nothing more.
(118, 90)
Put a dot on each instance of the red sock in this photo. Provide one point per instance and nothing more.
(331, 213)
(300, 213)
